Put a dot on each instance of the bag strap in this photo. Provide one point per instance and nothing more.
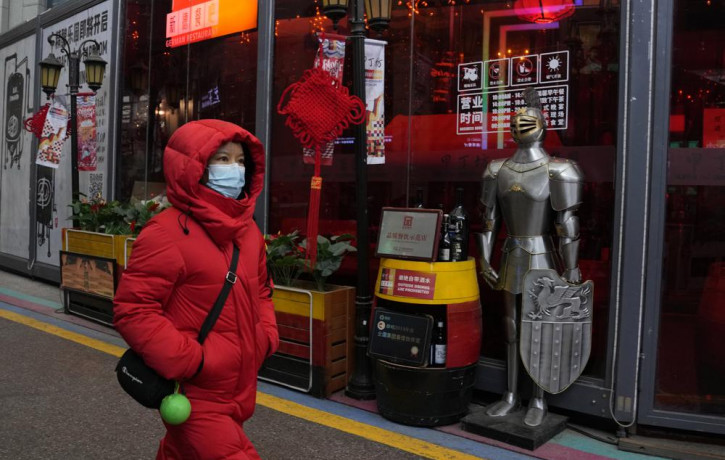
(216, 310)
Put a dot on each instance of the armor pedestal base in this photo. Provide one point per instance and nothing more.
(511, 428)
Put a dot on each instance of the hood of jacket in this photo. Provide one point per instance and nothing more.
(185, 159)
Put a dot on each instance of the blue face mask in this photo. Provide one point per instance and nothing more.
(226, 179)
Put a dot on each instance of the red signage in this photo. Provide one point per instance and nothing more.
(713, 128)
(196, 20)
(407, 283)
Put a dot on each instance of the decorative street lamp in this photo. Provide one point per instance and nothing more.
(335, 10)
(50, 73)
(95, 68)
(360, 385)
(379, 13)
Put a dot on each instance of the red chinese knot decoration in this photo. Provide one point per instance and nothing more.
(318, 109)
(35, 123)
(544, 11)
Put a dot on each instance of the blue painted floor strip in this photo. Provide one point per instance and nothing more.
(30, 298)
(78, 329)
(425, 434)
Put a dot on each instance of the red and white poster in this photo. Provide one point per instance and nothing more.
(375, 100)
(407, 283)
(87, 150)
(333, 58)
(55, 130)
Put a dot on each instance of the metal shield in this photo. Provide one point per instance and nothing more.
(556, 328)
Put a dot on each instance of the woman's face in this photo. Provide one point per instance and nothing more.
(229, 153)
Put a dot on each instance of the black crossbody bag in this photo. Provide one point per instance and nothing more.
(144, 384)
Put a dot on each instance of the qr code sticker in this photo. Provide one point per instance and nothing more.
(95, 188)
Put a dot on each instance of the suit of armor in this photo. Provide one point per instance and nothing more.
(534, 194)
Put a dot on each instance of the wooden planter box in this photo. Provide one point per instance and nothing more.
(90, 264)
(316, 332)
(116, 247)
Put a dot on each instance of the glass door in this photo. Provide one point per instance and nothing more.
(683, 380)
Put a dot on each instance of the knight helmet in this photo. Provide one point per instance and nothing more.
(528, 125)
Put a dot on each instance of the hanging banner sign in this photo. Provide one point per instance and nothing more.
(86, 117)
(55, 130)
(333, 58)
(375, 99)
(197, 20)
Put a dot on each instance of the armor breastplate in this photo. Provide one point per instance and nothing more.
(523, 191)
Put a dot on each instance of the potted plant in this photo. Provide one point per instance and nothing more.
(103, 227)
(330, 253)
(285, 257)
(93, 215)
(314, 318)
(113, 217)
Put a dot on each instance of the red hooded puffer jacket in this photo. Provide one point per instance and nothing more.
(175, 274)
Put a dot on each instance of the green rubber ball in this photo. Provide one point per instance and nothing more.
(175, 409)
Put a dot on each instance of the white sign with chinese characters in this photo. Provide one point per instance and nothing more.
(503, 104)
(554, 67)
(490, 110)
(470, 113)
(497, 73)
(525, 70)
(470, 76)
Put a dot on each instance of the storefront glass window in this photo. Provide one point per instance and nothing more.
(132, 161)
(166, 86)
(691, 351)
(449, 72)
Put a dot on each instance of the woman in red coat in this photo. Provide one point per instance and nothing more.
(214, 173)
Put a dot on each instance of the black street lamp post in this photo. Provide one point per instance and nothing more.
(50, 73)
(361, 386)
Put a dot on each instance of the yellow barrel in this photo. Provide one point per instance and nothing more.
(428, 283)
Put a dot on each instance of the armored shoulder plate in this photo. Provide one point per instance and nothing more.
(566, 181)
(490, 175)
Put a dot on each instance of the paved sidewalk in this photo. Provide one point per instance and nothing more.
(65, 402)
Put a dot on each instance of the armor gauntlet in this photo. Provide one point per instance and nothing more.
(566, 195)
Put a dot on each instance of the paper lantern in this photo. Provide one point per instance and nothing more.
(544, 11)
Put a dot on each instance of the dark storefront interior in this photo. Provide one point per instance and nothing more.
(691, 359)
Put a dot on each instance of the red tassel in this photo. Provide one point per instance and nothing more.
(318, 109)
(313, 219)
(313, 213)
